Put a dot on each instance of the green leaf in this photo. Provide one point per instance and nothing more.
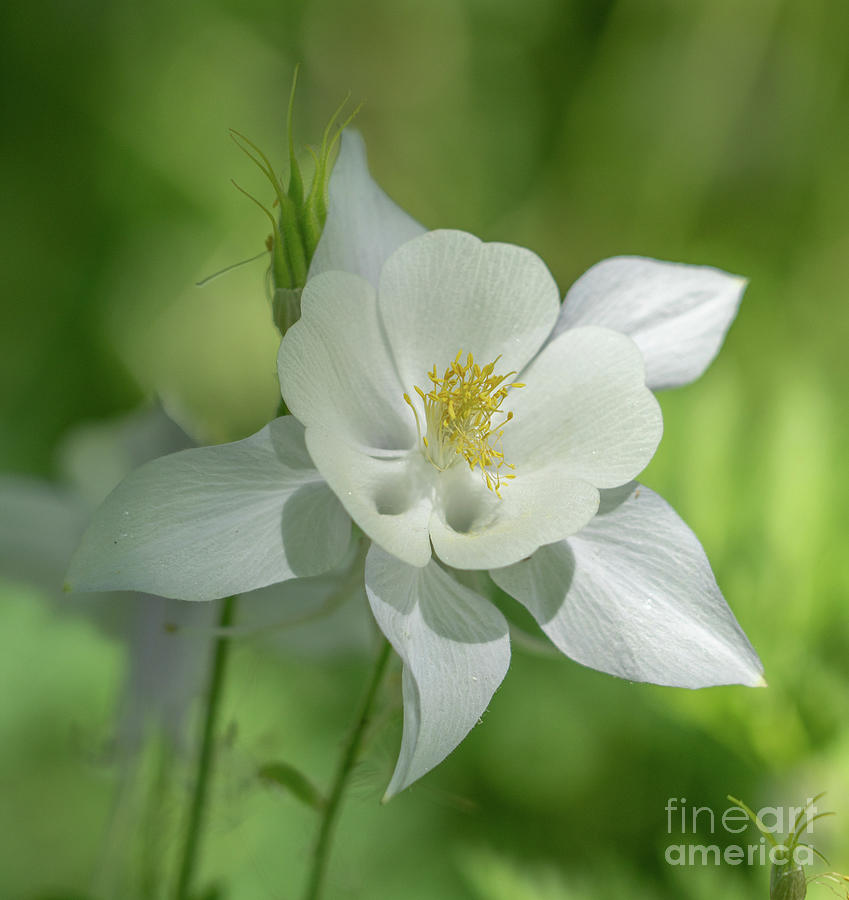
(289, 778)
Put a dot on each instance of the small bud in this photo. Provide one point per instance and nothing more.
(298, 225)
(787, 879)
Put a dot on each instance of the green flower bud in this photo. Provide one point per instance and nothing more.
(786, 878)
(298, 225)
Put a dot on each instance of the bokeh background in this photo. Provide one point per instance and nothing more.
(712, 131)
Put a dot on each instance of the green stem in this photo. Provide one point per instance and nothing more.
(154, 838)
(343, 774)
(205, 753)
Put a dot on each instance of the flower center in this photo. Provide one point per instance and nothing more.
(459, 410)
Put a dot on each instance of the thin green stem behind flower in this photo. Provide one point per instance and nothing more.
(343, 774)
(205, 754)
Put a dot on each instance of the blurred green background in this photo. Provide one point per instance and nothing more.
(711, 131)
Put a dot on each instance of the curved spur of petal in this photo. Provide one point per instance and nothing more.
(472, 529)
(447, 291)
(95, 457)
(387, 496)
(363, 225)
(335, 369)
(585, 406)
(215, 521)
(40, 525)
(677, 314)
(633, 595)
(167, 666)
(455, 649)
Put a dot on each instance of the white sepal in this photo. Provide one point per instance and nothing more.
(632, 594)
(455, 649)
(215, 521)
(677, 314)
(363, 225)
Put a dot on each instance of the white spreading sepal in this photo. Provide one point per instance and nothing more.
(215, 521)
(632, 594)
(363, 225)
(455, 649)
(677, 314)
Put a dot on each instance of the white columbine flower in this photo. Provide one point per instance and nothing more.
(444, 401)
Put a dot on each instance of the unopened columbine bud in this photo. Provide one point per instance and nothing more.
(786, 878)
(301, 214)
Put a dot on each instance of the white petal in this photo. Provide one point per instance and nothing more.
(585, 406)
(471, 528)
(363, 225)
(388, 497)
(335, 368)
(215, 521)
(455, 649)
(446, 291)
(633, 595)
(677, 314)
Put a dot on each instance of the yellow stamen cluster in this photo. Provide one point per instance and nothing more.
(459, 410)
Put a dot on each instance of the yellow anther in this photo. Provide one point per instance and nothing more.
(458, 410)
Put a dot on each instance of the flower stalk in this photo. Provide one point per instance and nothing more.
(343, 773)
(206, 753)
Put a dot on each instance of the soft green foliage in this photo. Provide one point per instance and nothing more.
(710, 131)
